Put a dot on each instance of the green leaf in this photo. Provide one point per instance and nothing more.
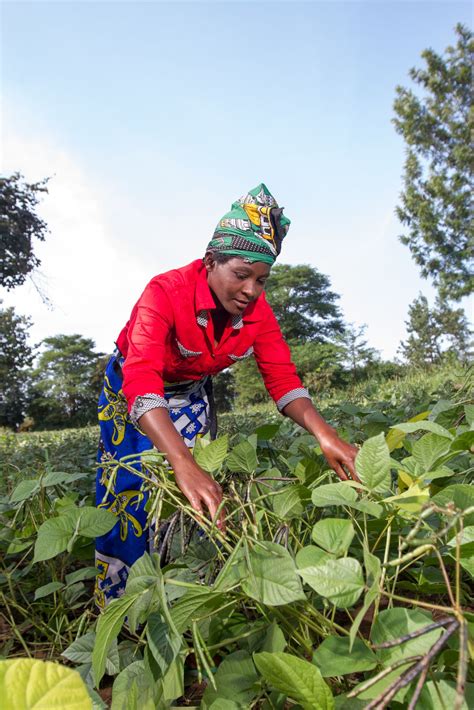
(298, 679)
(195, 603)
(31, 684)
(17, 546)
(461, 494)
(344, 494)
(469, 412)
(375, 690)
(271, 575)
(291, 502)
(333, 535)
(80, 651)
(373, 464)
(24, 490)
(428, 451)
(53, 537)
(410, 427)
(236, 680)
(340, 581)
(372, 594)
(211, 457)
(163, 642)
(334, 658)
(333, 494)
(47, 589)
(442, 694)
(133, 689)
(463, 442)
(56, 478)
(393, 623)
(54, 534)
(80, 574)
(274, 641)
(311, 556)
(242, 458)
(267, 431)
(144, 578)
(93, 522)
(395, 437)
(108, 626)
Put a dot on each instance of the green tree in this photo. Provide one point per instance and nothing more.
(434, 332)
(436, 198)
(303, 303)
(16, 356)
(19, 227)
(359, 355)
(318, 364)
(65, 385)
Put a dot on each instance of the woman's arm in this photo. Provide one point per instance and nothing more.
(199, 488)
(339, 454)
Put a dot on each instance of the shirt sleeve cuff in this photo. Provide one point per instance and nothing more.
(291, 395)
(145, 403)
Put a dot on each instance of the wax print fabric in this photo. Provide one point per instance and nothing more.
(190, 408)
(253, 229)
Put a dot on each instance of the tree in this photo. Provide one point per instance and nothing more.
(358, 353)
(433, 332)
(318, 364)
(16, 356)
(303, 303)
(436, 198)
(19, 226)
(65, 387)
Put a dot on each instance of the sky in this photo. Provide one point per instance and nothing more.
(151, 118)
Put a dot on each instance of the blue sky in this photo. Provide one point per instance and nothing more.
(153, 117)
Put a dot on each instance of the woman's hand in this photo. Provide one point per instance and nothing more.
(340, 456)
(201, 491)
(199, 488)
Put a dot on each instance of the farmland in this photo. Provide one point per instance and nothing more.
(321, 594)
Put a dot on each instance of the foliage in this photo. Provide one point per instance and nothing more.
(321, 593)
(436, 199)
(16, 356)
(64, 384)
(26, 683)
(303, 303)
(429, 329)
(358, 353)
(19, 226)
(319, 364)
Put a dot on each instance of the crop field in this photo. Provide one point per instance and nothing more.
(322, 594)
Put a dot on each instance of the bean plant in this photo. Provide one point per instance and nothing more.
(321, 594)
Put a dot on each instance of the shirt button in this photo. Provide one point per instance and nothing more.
(213, 356)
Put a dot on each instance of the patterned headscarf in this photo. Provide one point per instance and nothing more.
(253, 229)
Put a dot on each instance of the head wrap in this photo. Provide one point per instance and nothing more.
(253, 229)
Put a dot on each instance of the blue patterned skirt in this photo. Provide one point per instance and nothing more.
(192, 413)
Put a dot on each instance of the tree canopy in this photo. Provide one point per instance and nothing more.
(16, 356)
(19, 227)
(433, 332)
(303, 303)
(65, 385)
(436, 197)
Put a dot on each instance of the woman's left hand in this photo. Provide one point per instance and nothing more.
(340, 456)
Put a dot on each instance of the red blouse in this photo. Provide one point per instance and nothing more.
(170, 338)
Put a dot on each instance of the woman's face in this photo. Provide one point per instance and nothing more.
(235, 284)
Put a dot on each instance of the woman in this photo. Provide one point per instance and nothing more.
(188, 325)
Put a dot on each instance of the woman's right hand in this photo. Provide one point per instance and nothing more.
(201, 491)
(198, 486)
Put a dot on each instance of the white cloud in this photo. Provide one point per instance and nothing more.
(92, 288)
